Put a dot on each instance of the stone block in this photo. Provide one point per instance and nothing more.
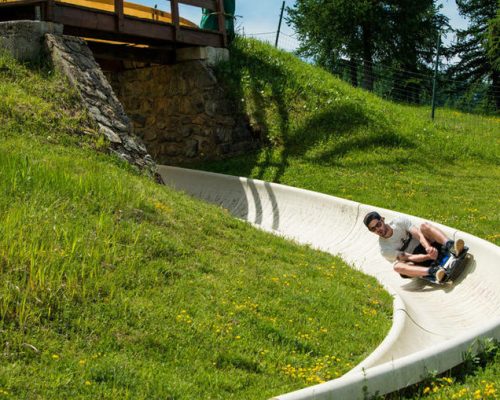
(110, 135)
(24, 39)
(191, 149)
(185, 106)
(197, 104)
(222, 135)
(139, 120)
(224, 148)
(186, 113)
(211, 55)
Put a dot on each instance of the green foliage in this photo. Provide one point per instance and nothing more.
(339, 35)
(477, 47)
(331, 30)
(493, 45)
(113, 287)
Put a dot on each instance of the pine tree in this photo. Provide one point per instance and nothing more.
(477, 47)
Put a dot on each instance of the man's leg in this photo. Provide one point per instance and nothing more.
(434, 234)
(410, 269)
(413, 270)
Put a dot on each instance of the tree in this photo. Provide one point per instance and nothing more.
(477, 47)
(415, 26)
(401, 33)
(331, 30)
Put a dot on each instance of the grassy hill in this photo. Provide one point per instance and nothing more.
(328, 137)
(114, 287)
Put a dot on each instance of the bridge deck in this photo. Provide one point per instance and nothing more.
(120, 21)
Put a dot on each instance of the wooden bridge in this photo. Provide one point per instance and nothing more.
(130, 27)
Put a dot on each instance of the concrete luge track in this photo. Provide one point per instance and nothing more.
(433, 326)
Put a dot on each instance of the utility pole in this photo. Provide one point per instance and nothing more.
(434, 81)
(279, 25)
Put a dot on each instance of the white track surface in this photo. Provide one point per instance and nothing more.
(433, 326)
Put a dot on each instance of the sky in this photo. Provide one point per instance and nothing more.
(259, 18)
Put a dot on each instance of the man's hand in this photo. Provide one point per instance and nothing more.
(432, 252)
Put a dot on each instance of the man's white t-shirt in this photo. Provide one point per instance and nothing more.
(400, 241)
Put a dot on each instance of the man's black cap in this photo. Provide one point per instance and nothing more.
(370, 217)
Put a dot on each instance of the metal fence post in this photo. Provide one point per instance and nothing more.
(279, 24)
(434, 82)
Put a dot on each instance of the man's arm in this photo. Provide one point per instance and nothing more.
(416, 258)
(432, 252)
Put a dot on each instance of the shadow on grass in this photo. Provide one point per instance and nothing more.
(328, 137)
(337, 132)
(277, 95)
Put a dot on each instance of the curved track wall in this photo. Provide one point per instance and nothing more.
(433, 326)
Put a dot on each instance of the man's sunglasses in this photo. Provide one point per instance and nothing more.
(376, 226)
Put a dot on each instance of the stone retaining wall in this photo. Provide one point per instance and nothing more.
(72, 56)
(182, 113)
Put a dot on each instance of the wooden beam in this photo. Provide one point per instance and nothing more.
(101, 25)
(119, 15)
(221, 18)
(197, 37)
(209, 4)
(174, 11)
(14, 4)
(154, 55)
(49, 10)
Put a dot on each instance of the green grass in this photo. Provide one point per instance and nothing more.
(325, 136)
(114, 287)
(476, 378)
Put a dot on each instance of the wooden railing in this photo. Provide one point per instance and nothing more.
(97, 19)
